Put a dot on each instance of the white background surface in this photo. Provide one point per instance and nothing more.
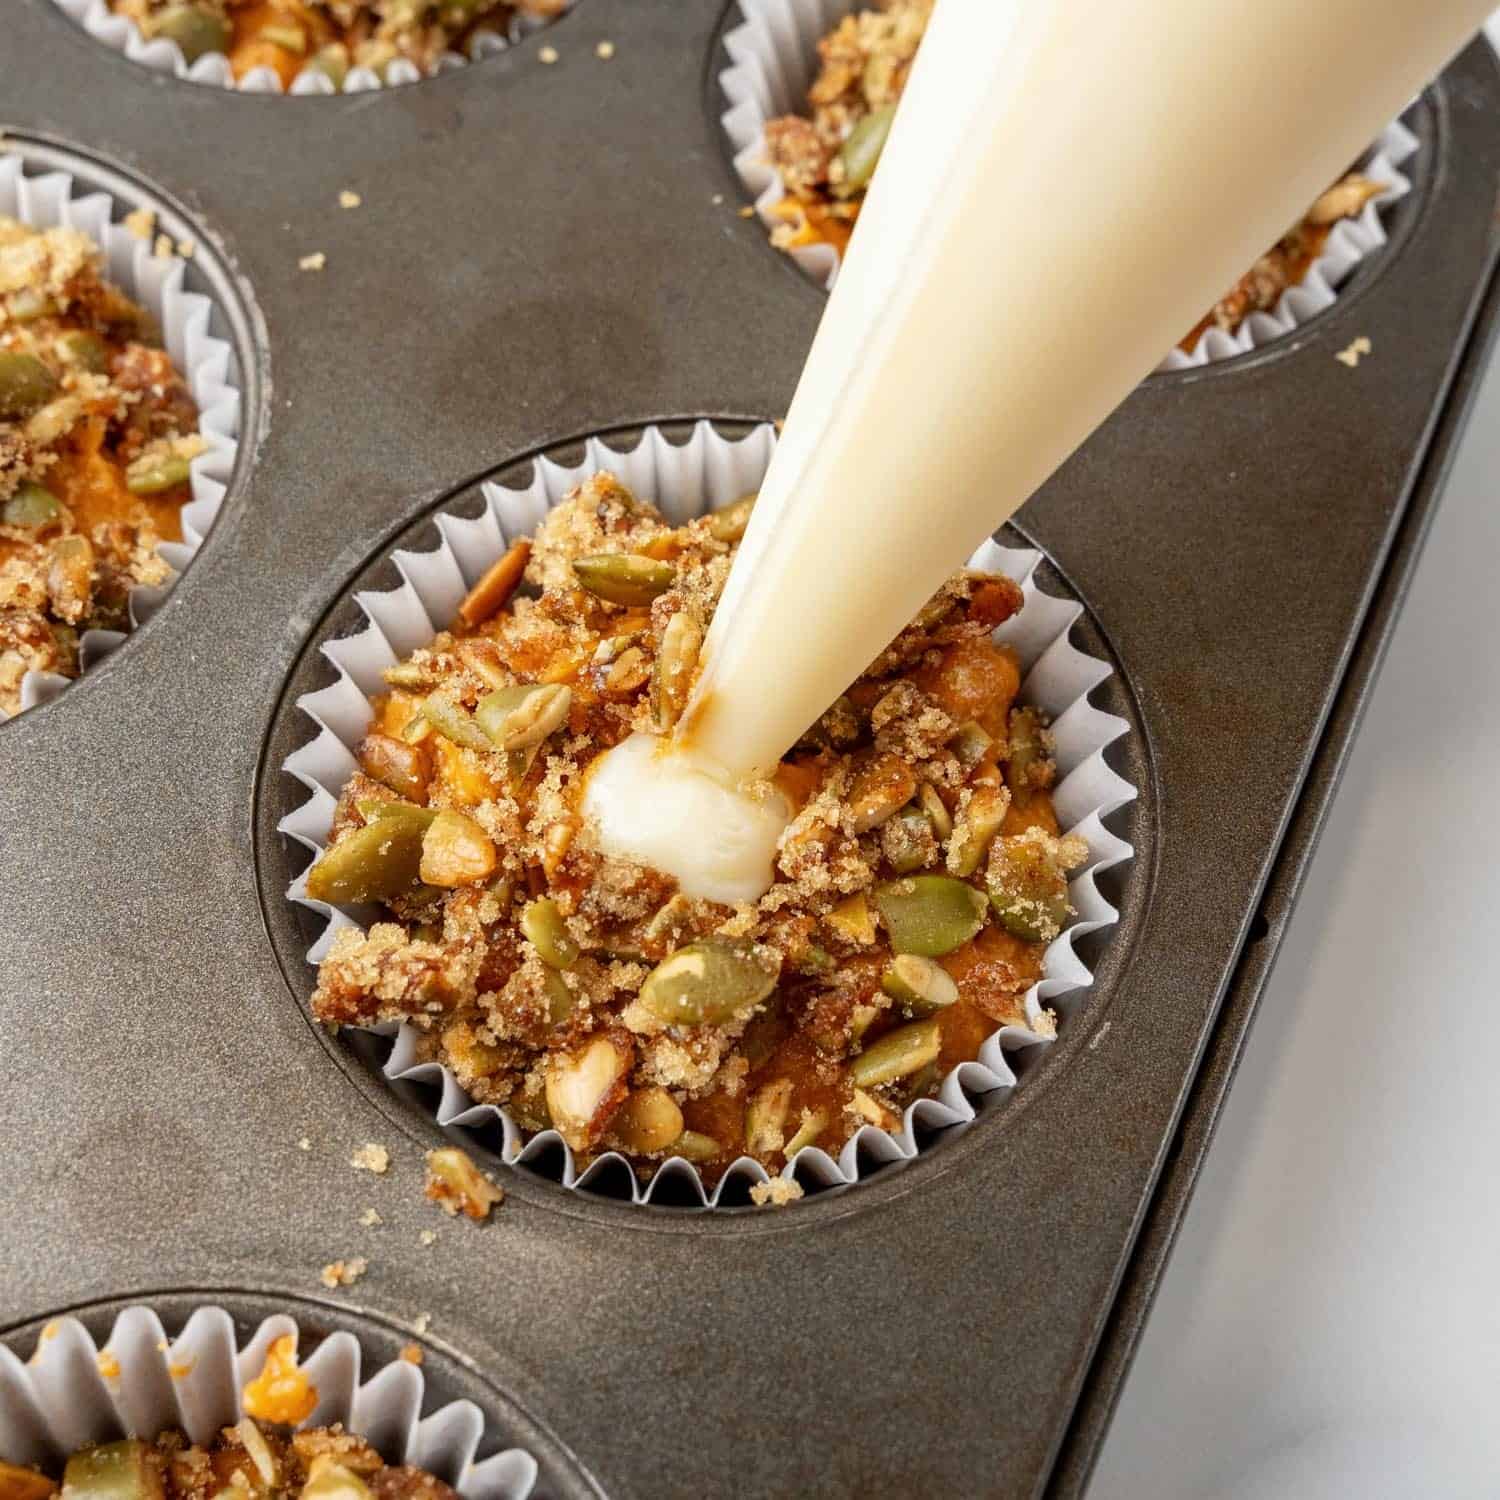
(1329, 1324)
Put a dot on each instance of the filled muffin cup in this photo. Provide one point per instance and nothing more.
(686, 481)
(121, 34)
(186, 319)
(73, 1394)
(774, 59)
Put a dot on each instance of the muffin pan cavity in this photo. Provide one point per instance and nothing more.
(164, 261)
(115, 1370)
(768, 57)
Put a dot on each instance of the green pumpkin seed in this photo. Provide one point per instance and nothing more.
(1028, 888)
(672, 673)
(624, 577)
(691, 1145)
(79, 347)
(1025, 761)
(919, 984)
(113, 1471)
(860, 154)
(408, 813)
(560, 999)
(335, 1482)
(332, 62)
(444, 713)
(516, 718)
(26, 385)
(373, 863)
(970, 743)
(543, 924)
(728, 524)
(32, 506)
(936, 809)
(706, 983)
(929, 915)
(196, 29)
(896, 1054)
(814, 1123)
(907, 841)
(765, 1117)
(979, 820)
(150, 476)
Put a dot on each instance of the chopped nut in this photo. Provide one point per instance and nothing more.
(371, 1158)
(457, 1186)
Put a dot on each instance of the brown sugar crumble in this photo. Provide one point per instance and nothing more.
(329, 37)
(339, 1273)
(827, 156)
(371, 1158)
(916, 887)
(259, 1455)
(97, 433)
(777, 1192)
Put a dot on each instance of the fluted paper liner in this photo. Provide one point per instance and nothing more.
(774, 54)
(708, 471)
(61, 1402)
(185, 318)
(122, 35)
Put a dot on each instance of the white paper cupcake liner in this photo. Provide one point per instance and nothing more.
(121, 34)
(207, 362)
(774, 52)
(708, 471)
(60, 1401)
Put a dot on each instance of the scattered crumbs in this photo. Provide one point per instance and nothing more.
(305, 1144)
(547, 55)
(141, 223)
(349, 200)
(421, 1324)
(1099, 1035)
(428, 1236)
(163, 247)
(778, 1192)
(1355, 352)
(606, 50)
(746, 211)
(371, 1158)
(314, 262)
(109, 1366)
(187, 249)
(411, 1354)
(180, 1369)
(370, 1219)
(457, 1186)
(339, 1273)
(718, 199)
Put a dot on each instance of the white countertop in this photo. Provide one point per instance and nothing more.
(1329, 1323)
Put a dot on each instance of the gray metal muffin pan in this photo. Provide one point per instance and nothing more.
(540, 255)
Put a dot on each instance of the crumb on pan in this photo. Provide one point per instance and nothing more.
(339, 1273)
(371, 1158)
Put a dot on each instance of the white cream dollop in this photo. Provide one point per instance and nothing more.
(667, 808)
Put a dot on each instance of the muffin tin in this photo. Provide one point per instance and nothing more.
(544, 252)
